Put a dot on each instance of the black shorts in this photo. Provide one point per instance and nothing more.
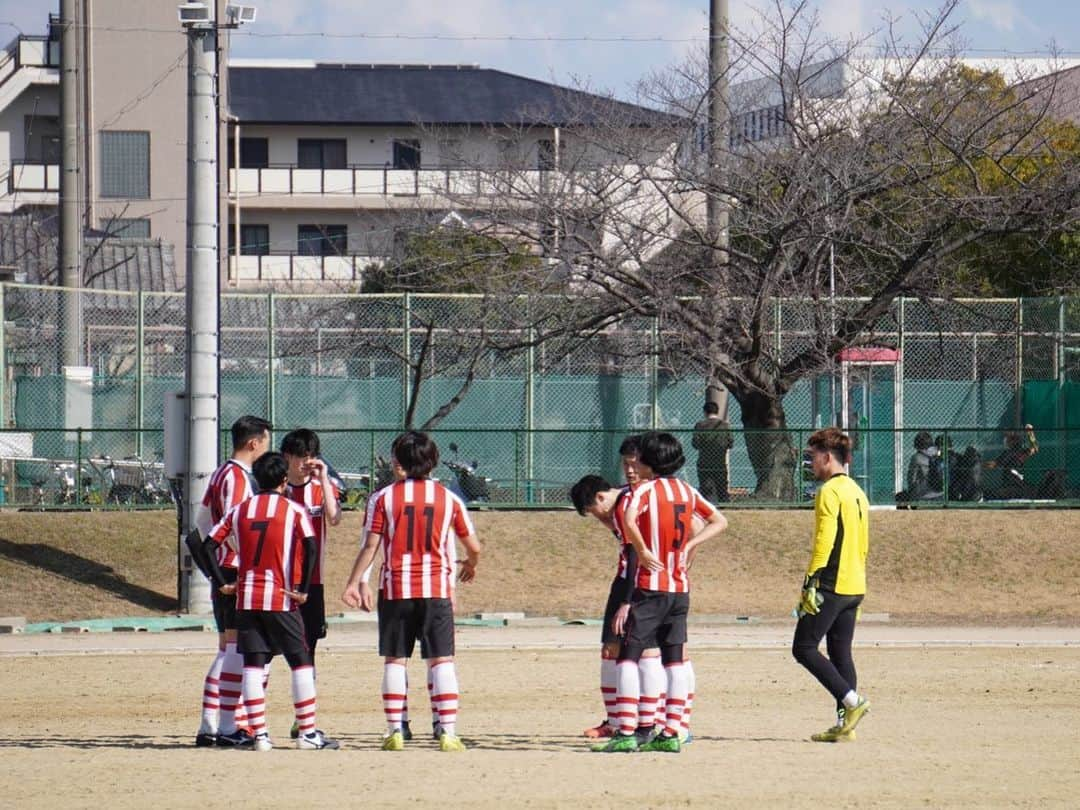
(403, 621)
(657, 619)
(224, 606)
(271, 632)
(614, 602)
(313, 612)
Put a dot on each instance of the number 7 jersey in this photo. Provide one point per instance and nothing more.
(415, 517)
(665, 514)
(269, 532)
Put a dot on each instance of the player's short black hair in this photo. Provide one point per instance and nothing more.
(583, 493)
(270, 470)
(416, 452)
(300, 442)
(247, 428)
(711, 407)
(630, 446)
(923, 439)
(662, 453)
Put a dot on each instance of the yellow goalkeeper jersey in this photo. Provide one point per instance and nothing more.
(841, 536)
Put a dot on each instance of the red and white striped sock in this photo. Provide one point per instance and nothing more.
(303, 695)
(394, 687)
(607, 689)
(653, 681)
(230, 687)
(255, 699)
(677, 690)
(444, 694)
(211, 695)
(405, 702)
(627, 694)
(691, 685)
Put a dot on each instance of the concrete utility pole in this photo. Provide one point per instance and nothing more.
(201, 379)
(70, 213)
(719, 128)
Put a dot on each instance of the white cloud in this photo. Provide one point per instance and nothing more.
(1003, 15)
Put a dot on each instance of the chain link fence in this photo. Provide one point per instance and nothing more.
(533, 416)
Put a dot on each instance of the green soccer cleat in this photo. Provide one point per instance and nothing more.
(450, 743)
(619, 744)
(294, 732)
(394, 742)
(662, 743)
(853, 715)
(834, 734)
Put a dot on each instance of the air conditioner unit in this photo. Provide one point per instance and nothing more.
(239, 14)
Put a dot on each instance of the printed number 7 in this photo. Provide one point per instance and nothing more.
(261, 526)
(680, 525)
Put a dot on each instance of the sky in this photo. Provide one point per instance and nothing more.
(600, 44)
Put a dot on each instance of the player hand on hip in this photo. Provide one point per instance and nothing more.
(618, 622)
(297, 596)
(650, 561)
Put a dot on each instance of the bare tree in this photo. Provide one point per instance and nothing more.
(852, 179)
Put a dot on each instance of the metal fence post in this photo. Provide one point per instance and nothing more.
(3, 359)
(530, 418)
(78, 466)
(271, 351)
(1018, 408)
(406, 352)
(654, 374)
(140, 371)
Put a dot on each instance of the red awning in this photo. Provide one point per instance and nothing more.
(869, 354)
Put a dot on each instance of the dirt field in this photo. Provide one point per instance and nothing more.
(953, 725)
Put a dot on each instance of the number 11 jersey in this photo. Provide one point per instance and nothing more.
(414, 518)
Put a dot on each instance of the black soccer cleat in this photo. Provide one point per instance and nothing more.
(205, 740)
(238, 739)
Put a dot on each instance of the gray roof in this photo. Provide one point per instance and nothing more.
(409, 95)
(30, 244)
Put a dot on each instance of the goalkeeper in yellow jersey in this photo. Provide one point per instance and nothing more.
(835, 582)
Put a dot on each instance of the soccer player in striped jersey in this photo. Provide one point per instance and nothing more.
(230, 484)
(593, 495)
(415, 520)
(311, 487)
(274, 543)
(835, 581)
(659, 524)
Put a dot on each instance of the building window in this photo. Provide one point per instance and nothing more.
(545, 155)
(320, 153)
(42, 139)
(254, 240)
(128, 228)
(125, 165)
(322, 240)
(254, 153)
(407, 154)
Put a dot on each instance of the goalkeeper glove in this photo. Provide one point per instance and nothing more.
(811, 600)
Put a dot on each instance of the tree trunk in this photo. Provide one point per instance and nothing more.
(772, 453)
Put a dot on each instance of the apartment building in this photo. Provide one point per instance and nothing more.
(323, 166)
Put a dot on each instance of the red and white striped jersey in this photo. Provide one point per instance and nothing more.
(231, 484)
(665, 511)
(269, 531)
(312, 497)
(414, 518)
(618, 518)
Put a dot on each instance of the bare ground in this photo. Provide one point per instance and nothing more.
(991, 567)
(951, 726)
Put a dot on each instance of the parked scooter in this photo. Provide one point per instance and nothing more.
(467, 485)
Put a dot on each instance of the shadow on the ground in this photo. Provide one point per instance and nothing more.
(85, 571)
(134, 741)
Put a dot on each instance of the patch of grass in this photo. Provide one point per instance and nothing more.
(943, 565)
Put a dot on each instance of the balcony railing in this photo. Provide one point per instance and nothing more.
(384, 181)
(33, 177)
(276, 267)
